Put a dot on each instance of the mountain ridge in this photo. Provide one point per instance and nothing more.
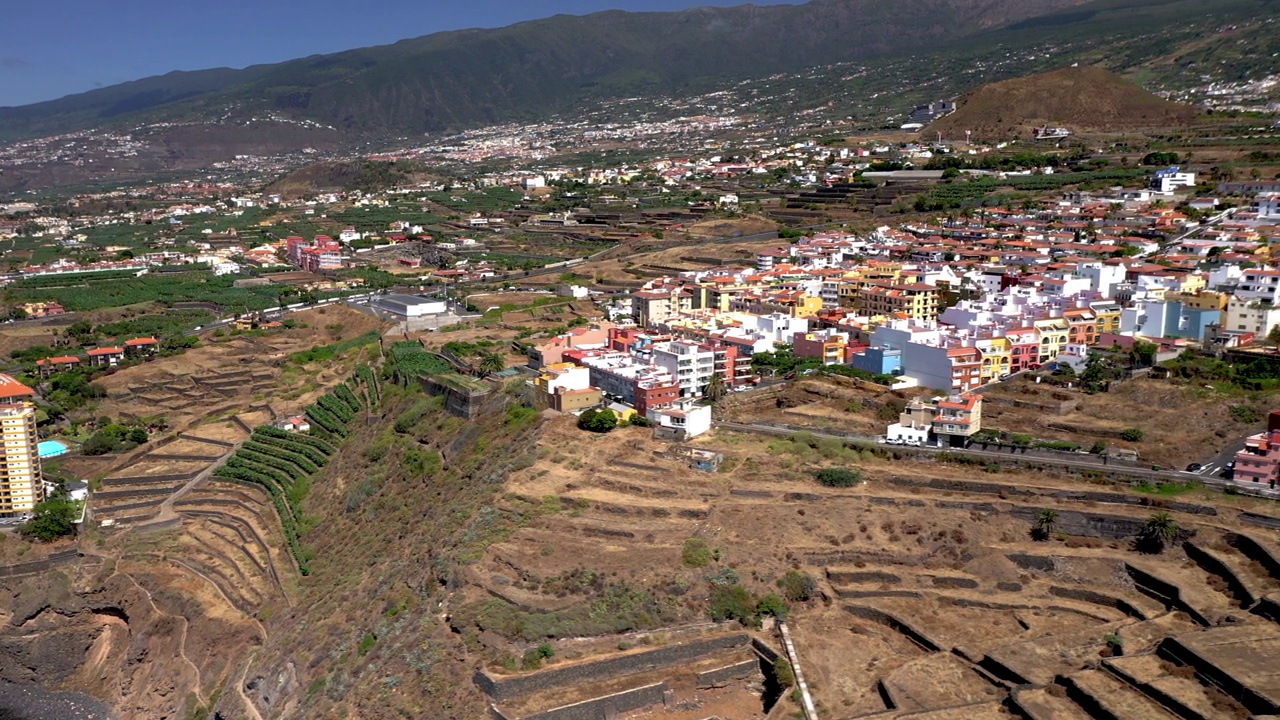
(457, 78)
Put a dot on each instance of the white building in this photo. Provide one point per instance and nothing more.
(1166, 181)
(1268, 205)
(691, 366)
(781, 328)
(682, 421)
(1102, 278)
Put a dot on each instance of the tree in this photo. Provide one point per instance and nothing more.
(1273, 336)
(1144, 353)
(54, 518)
(1132, 434)
(491, 362)
(598, 421)
(1161, 530)
(715, 390)
(1046, 523)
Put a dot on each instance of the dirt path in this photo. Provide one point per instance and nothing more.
(182, 641)
(244, 672)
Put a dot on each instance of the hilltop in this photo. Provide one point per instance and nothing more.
(1080, 99)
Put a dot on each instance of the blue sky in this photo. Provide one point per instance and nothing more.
(52, 48)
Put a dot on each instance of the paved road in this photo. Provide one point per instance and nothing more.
(1083, 462)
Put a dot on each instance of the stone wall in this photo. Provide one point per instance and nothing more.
(606, 707)
(506, 688)
(729, 673)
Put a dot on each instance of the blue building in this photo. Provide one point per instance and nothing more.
(879, 360)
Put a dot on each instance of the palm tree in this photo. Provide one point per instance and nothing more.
(715, 389)
(1161, 530)
(491, 362)
(1046, 523)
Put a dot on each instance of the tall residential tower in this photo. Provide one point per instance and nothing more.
(21, 484)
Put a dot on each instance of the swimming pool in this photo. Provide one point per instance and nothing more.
(51, 448)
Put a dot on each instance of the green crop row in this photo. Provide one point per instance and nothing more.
(339, 409)
(303, 462)
(320, 446)
(326, 421)
(316, 457)
(279, 500)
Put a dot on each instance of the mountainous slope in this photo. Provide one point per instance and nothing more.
(450, 80)
(1078, 98)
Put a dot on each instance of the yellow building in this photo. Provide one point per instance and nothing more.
(21, 483)
(1053, 337)
(917, 301)
(1192, 283)
(1107, 317)
(997, 354)
(1203, 300)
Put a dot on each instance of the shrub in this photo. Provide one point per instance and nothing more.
(797, 586)
(772, 604)
(695, 553)
(366, 644)
(839, 477)
(782, 671)
(731, 602)
(1246, 414)
(1132, 434)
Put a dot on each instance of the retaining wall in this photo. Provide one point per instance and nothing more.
(1256, 703)
(727, 674)
(608, 706)
(506, 688)
(1263, 520)
(1256, 552)
(1097, 598)
(1213, 564)
(38, 566)
(894, 623)
(1164, 591)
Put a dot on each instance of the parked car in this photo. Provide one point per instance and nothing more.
(1194, 467)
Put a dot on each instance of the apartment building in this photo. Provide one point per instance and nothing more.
(657, 305)
(691, 364)
(827, 345)
(917, 300)
(21, 482)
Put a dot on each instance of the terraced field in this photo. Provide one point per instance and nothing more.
(931, 602)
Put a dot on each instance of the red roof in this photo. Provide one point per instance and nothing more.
(106, 351)
(140, 341)
(59, 360)
(10, 388)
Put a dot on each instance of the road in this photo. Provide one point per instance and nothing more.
(1084, 462)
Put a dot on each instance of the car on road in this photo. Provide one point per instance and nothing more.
(1194, 468)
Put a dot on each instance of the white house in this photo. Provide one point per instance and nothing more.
(681, 421)
(1268, 205)
(1166, 181)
